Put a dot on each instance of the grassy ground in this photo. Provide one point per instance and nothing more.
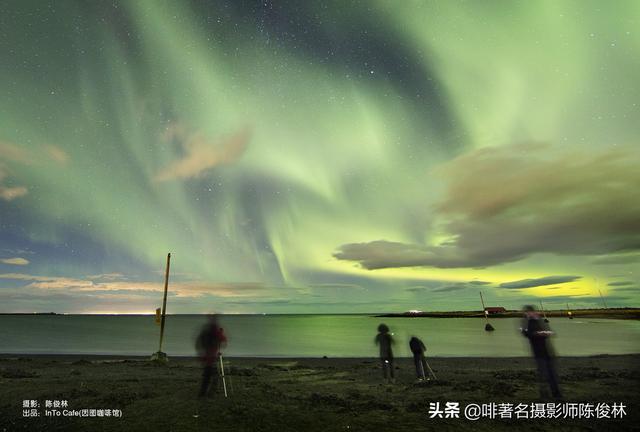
(304, 394)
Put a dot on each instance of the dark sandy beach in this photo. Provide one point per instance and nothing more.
(301, 394)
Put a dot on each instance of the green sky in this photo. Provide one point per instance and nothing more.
(318, 156)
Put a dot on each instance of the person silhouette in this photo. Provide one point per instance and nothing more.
(208, 344)
(537, 331)
(384, 339)
(418, 349)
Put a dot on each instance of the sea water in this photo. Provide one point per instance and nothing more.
(306, 335)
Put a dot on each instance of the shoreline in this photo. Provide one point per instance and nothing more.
(181, 358)
(618, 313)
(608, 313)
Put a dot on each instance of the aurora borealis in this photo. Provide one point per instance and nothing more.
(318, 156)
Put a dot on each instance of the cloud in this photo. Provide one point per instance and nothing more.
(9, 193)
(107, 276)
(479, 282)
(14, 153)
(530, 283)
(455, 286)
(22, 276)
(621, 283)
(57, 154)
(179, 289)
(616, 259)
(416, 289)
(265, 302)
(337, 285)
(62, 283)
(201, 154)
(450, 288)
(14, 261)
(383, 254)
(579, 298)
(18, 251)
(504, 204)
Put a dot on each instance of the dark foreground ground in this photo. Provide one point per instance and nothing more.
(303, 394)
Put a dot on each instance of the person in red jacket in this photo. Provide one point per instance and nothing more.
(208, 344)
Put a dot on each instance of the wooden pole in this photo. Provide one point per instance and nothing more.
(603, 302)
(487, 326)
(484, 309)
(164, 302)
(544, 314)
(600, 292)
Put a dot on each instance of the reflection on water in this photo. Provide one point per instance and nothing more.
(307, 335)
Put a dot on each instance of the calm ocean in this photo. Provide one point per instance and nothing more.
(305, 335)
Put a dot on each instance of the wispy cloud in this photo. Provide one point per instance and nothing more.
(449, 288)
(531, 283)
(630, 289)
(479, 282)
(578, 299)
(617, 259)
(11, 193)
(7, 192)
(337, 285)
(621, 283)
(201, 153)
(18, 251)
(11, 153)
(14, 261)
(56, 154)
(416, 289)
(15, 153)
(180, 289)
(107, 276)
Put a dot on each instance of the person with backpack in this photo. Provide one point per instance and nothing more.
(208, 344)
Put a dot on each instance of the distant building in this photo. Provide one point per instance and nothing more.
(494, 310)
(413, 312)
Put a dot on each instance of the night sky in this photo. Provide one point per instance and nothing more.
(323, 156)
